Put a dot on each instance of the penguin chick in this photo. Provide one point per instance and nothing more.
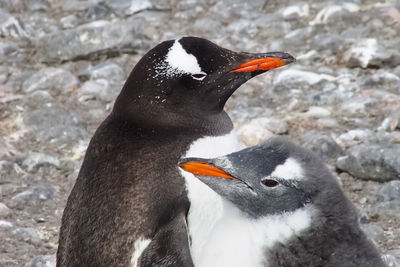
(282, 207)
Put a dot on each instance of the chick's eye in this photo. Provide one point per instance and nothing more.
(270, 182)
(199, 76)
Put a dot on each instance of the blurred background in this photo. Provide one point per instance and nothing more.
(63, 62)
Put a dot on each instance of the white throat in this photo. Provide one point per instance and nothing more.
(237, 240)
(205, 204)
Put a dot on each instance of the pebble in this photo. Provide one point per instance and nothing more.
(322, 145)
(54, 124)
(392, 258)
(378, 162)
(29, 235)
(92, 39)
(35, 160)
(366, 53)
(104, 84)
(43, 261)
(298, 76)
(36, 5)
(34, 195)
(4, 210)
(374, 232)
(68, 22)
(5, 224)
(390, 191)
(254, 132)
(52, 79)
(296, 11)
(325, 15)
(97, 12)
(123, 8)
(10, 26)
(318, 112)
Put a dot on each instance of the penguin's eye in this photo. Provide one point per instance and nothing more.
(270, 183)
(199, 76)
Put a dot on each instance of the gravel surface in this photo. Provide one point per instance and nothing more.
(62, 63)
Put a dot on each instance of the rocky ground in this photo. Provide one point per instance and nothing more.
(62, 63)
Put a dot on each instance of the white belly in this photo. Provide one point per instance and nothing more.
(235, 241)
(205, 204)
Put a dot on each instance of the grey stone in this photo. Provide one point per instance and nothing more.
(34, 195)
(379, 162)
(96, 12)
(12, 5)
(36, 5)
(357, 136)
(43, 261)
(254, 132)
(35, 160)
(50, 79)
(54, 124)
(6, 149)
(327, 42)
(125, 7)
(389, 191)
(392, 258)
(4, 210)
(3, 74)
(10, 26)
(296, 11)
(68, 22)
(79, 5)
(106, 81)
(5, 224)
(374, 232)
(388, 208)
(93, 39)
(322, 145)
(332, 12)
(98, 89)
(318, 112)
(110, 71)
(8, 51)
(381, 78)
(365, 53)
(292, 76)
(29, 235)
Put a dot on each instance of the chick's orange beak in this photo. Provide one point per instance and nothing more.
(203, 169)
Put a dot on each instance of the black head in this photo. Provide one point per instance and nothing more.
(189, 78)
(268, 179)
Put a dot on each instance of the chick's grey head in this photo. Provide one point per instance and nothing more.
(267, 179)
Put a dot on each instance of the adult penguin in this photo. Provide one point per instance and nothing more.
(131, 205)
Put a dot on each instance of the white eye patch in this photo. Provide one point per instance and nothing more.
(289, 170)
(178, 62)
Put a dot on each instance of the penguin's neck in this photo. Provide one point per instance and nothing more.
(238, 240)
(205, 204)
